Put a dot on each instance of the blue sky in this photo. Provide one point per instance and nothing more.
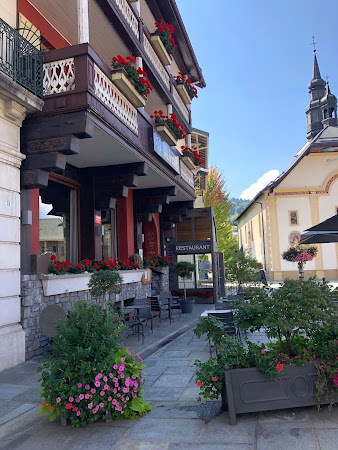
(257, 61)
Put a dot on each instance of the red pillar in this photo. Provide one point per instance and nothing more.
(125, 217)
(152, 237)
(35, 231)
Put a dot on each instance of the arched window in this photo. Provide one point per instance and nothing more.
(294, 237)
(325, 113)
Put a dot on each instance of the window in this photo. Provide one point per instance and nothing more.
(294, 237)
(251, 230)
(202, 228)
(293, 218)
(184, 230)
(189, 282)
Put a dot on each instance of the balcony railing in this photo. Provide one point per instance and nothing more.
(58, 76)
(180, 104)
(129, 15)
(20, 60)
(155, 61)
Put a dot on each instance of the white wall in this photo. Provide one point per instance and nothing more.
(327, 208)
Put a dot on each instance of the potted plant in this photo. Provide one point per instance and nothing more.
(241, 269)
(191, 158)
(185, 88)
(132, 82)
(300, 369)
(168, 127)
(104, 282)
(300, 254)
(158, 261)
(184, 269)
(163, 41)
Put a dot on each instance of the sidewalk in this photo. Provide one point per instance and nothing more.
(177, 420)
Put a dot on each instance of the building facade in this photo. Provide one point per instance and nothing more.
(302, 196)
(97, 165)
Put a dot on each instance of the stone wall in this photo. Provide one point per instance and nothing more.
(160, 280)
(33, 302)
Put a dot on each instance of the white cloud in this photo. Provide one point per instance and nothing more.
(251, 191)
(44, 209)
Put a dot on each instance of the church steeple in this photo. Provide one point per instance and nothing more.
(314, 110)
(329, 108)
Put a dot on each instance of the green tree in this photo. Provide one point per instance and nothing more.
(241, 268)
(184, 269)
(217, 196)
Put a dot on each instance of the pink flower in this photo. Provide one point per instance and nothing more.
(106, 387)
(125, 390)
(58, 400)
(87, 387)
(109, 399)
(114, 390)
(97, 384)
(133, 377)
(90, 405)
(79, 385)
(71, 399)
(81, 396)
(78, 413)
(139, 357)
(101, 405)
(123, 359)
(111, 375)
(279, 367)
(105, 379)
(93, 390)
(122, 376)
(102, 393)
(77, 400)
(129, 352)
(87, 396)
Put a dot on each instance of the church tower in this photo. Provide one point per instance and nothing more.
(322, 110)
(314, 110)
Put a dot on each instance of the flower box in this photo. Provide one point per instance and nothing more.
(160, 49)
(62, 284)
(126, 86)
(183, 93)
(188, 162)
(166, 134)
(248, 390)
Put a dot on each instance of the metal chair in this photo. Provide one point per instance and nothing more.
(173, 303)
(156, 307)
(131, 320)
(144, 315)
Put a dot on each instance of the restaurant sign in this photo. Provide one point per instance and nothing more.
(169, 155)
(186, 248)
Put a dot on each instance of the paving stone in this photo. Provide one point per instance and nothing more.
(328, 439)
(6, 406)
(219, 430)
(8, 391)
(180, 371)
(176, 354)
(152, 393)
(284, 415)
(172, 410)
(172, 380)
(43, 440)
(99, 437)
(284, 435)
(182, 430)
(31, 395)
(210, 446)
(190, 394)
(323, 418)
(129, 444)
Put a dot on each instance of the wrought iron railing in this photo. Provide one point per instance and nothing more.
(20, 60)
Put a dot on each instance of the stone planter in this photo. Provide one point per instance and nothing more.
(126, 86)
(166, 134)
(183, 93)
(248, 390)
(186, 305)
(160, 49)
(188, 162)
(62, 284)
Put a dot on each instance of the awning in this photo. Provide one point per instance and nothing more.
(324, 232)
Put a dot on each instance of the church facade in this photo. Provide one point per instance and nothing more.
(305, 194)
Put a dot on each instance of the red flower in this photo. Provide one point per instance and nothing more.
(59, 267)
(52, 408)
(44, 404)
(69, 406)
(279, 367)
(79, 266)
(75, 408)
(214, 378)
(199, 383)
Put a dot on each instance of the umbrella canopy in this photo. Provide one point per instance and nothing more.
(324, 232)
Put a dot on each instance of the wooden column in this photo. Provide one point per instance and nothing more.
(82, 21)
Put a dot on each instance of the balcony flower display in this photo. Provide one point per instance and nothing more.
(158, 261)
(187, 83)
(134, 84)
(87, 265)
(165, 31)
(196, 158)
(300, 254)
(175, 127)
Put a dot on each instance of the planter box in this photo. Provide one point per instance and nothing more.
(126, 86)
(188, 162)
(166, 134)
(248, 390)
(186, 305)
(62, 284)
(160, 49)
(183, 93)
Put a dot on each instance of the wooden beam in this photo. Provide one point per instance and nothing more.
(170, 190)
(172, 218)
(149, 207)
(47, 161)
(69, 145)
(168, 211)
(104, 203)
(144, 217)
(112, 191)
(141, 169)
(34, 178)
(187, 204)
(130, 180)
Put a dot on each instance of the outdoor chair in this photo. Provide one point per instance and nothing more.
(172, 301)
(157, 308)
(131, 321)
(227, 318)
(144, 315)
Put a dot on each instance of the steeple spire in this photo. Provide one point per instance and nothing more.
(316, 71)
(317, 91)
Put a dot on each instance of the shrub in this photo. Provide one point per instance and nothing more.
(184, 269)
(241, 268)
(104, 282)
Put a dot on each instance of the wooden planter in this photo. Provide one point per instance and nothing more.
(248, 390)
(166, 134)
(160, 49)
(183, 93)
(188, 162)
(126, 86)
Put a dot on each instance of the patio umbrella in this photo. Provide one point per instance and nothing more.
(322, 233)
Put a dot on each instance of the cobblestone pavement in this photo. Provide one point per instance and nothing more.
(177, 420)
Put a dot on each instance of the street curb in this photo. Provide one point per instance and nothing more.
(151, 349)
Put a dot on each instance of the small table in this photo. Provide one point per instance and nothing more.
(137, 309)
(214, 311)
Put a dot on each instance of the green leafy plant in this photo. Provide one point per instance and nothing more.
(184, 269)
(138, 76)
(158, 261)
(89, 372)
(104, 282)
(241, 268)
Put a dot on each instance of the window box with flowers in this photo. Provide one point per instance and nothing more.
(168, 127)
(185, 88)
(163, 41)
(299, 369)
(191, 158)
(65, 277)
(132, 82)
